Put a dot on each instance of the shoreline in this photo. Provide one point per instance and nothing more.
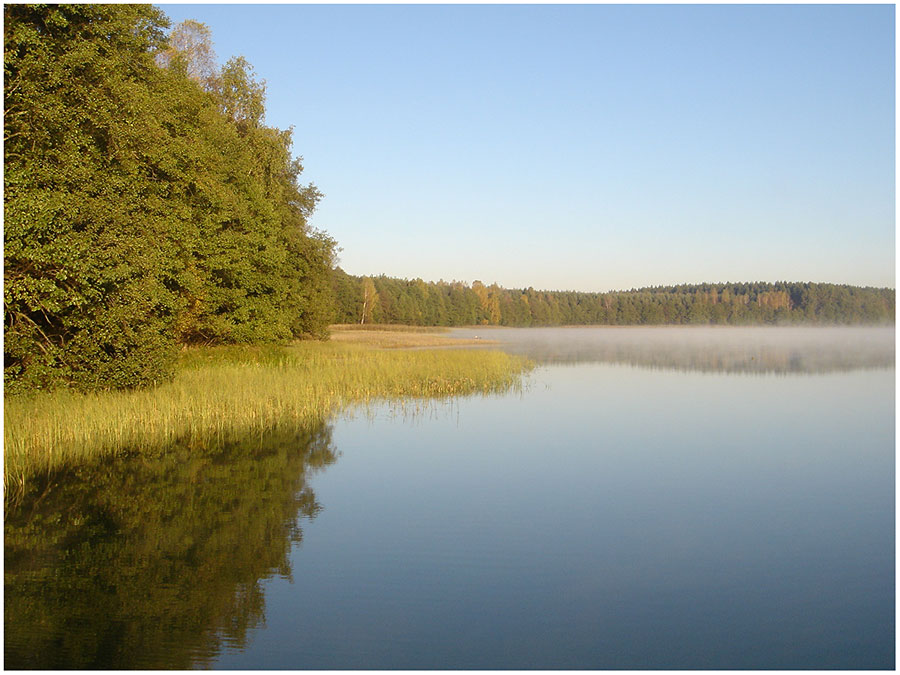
(219, 391)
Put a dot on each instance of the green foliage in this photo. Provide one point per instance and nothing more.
(84, 298)
(146, 204)
(419, 303)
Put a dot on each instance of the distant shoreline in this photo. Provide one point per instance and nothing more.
(392, 301)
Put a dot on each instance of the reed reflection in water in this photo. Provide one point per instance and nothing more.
(156, 562)
(621, 512)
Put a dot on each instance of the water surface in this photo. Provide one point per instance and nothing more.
(707, 500)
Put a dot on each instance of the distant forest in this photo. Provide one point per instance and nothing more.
(389, 300)
(149, 207)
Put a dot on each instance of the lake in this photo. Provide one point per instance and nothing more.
(655, 498)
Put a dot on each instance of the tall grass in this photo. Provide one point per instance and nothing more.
(223, 391)
(385, 339)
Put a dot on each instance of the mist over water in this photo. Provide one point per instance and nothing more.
(644, 504)
(656, 498)
(755, 349)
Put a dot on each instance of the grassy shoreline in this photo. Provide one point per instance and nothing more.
(234, 390)
(399, 337)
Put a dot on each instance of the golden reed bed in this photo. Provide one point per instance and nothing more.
(399, 337)
(235, 390)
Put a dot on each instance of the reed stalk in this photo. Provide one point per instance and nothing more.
(234, 390)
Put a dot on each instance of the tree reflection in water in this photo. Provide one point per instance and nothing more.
(155, 562)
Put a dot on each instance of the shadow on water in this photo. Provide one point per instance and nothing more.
(156, 562)
(721, 349)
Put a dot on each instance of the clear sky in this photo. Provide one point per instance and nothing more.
(587, 147)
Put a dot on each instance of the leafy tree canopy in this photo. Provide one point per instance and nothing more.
(147, 205)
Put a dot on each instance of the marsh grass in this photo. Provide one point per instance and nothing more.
(222, 392)
(386, 339)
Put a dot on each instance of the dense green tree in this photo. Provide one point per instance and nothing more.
(86, 236)
(347, 291)
(146, 203)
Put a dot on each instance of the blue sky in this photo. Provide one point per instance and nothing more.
(587, 147)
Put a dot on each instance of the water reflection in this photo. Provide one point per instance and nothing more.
(757, 349)
(616, 518)
(155, 562)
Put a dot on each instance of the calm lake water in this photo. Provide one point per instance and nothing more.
(656, 498)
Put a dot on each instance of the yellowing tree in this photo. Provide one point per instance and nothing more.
(370, 299)
(191, 47)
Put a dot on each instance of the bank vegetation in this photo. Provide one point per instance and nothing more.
(222, 393)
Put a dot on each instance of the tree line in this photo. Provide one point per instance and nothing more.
(148, 207)
(416, 302)
(147, 204)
